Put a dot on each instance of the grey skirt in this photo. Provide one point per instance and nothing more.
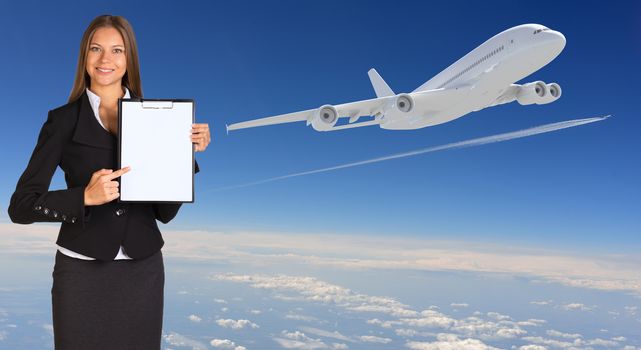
(107, 304)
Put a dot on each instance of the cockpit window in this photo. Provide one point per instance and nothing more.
(540, 30)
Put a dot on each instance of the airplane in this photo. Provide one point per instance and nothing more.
(483, 78)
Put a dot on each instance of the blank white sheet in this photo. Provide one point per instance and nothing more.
(155, 141)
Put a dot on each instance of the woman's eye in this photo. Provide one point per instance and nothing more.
(118, 51)
(94, 49)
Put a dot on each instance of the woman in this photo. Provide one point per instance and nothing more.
(108, 276)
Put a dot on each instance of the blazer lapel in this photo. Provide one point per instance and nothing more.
(88, 130)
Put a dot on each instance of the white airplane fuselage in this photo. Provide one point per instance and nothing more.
(481, 76)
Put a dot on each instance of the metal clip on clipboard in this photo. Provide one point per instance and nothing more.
(157, 104)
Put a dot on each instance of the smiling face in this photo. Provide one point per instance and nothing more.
(106, 58)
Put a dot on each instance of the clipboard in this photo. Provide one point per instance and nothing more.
(154, 138)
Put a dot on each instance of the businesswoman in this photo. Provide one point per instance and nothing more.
(108, 276)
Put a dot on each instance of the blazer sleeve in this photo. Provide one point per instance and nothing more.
(32, 201)
(165, 212)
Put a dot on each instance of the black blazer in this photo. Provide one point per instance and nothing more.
(73, 139)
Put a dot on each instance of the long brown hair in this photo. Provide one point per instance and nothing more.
(131, 79)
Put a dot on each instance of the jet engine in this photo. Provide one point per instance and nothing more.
(404, 103)
(324, 118)
(554, 92)
(531, 93)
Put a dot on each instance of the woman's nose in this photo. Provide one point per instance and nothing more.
(105, 56)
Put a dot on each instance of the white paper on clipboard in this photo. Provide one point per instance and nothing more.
(155, 141)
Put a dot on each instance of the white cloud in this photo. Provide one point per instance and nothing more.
(558, 334)
(632, 310)
(296, 335)
(575, 307)
(475, 327)
(179, 340)
(406, 332)
(601, 342)
(226, 344)
(429, 318)
(470, 326)
(473, 330)
(298, 340)
(326, 334)
(374, 339)
(312, 289)
(573, 344)
(497, 316)
(393, 310)
(533, 322)
(236, 324)
(532, 347)
(222, 343)
(549, 342)
(298, 317)
(297, 344)
(220, 301)
(459, 305)
(450, 342)
(541, 303)
(194, 318)
(337, 335)
(255, 312)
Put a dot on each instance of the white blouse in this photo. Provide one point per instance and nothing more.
(94, 100)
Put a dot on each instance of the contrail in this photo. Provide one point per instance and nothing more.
(461, 144)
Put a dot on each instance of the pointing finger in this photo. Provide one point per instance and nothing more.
(117, 173)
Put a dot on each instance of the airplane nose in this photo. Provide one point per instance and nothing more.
(553, 40)
(559, 38)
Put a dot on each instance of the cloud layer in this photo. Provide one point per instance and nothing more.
(352, 252)
(445, 331)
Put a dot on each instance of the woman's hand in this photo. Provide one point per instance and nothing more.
(101, 188)
(200, 136)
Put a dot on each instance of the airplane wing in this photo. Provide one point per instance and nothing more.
(279, 119)
(351, 110)
(363, 108)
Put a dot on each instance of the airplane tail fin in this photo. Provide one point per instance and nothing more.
(380, 86)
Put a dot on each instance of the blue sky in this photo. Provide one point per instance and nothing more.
(577, 188)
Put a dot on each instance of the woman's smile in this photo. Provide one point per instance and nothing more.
(104, 70)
